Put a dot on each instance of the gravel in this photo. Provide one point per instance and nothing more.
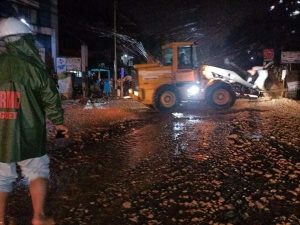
(127, 165)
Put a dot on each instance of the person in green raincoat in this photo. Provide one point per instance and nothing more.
(27, 95)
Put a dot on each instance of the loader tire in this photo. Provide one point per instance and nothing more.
(166, 98)
(220, 96)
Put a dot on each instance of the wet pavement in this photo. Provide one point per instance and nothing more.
(195, 166)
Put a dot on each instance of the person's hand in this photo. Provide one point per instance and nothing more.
(63, 130)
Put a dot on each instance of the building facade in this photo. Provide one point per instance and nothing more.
(43, 19)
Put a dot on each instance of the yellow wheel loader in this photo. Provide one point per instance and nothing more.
(178, 78)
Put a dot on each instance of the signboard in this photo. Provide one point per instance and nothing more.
(64, 64)
(290, 57)
(293, 86)
(268, 55)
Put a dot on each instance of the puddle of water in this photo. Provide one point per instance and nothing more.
(92, 105)
(100, 105)
(186, 116)
(177, 150)
(178, 126)
(183, 131)
(180, 148)
(178, 115)
(194, 121)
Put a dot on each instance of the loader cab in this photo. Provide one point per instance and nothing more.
(179, 55)
(182, 58)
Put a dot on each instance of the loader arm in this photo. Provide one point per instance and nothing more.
(254, 82)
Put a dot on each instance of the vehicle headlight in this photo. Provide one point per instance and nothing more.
(193, 90)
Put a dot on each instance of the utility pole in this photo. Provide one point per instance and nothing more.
(84, 65)
(115, 45)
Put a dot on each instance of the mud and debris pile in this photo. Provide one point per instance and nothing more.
(240, 166)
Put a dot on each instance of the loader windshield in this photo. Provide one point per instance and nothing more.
(185, 57)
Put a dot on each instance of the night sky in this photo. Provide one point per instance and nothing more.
(223, 28)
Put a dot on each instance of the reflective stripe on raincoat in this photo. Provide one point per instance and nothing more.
(27, 95)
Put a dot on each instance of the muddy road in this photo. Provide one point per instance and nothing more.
(240, 166)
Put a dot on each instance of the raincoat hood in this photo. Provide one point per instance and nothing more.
(26, 49)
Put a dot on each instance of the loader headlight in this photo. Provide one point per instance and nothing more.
(193, 90)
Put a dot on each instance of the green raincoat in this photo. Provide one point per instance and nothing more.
(27, 94)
